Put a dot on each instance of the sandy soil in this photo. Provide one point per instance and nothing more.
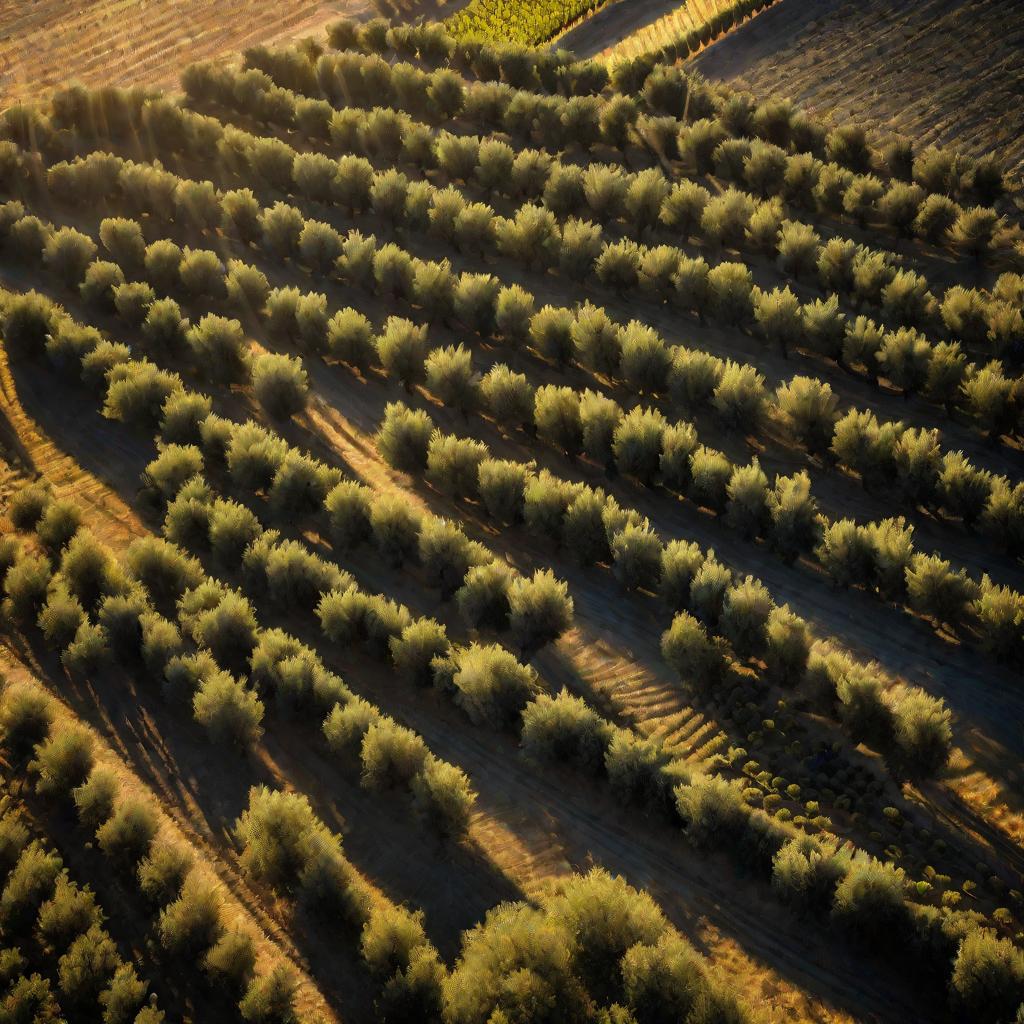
(147, 42)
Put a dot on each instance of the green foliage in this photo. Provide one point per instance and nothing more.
(450, 377)
(191, 924)
(446, 554)
(540, 610)
(401, 349)
(391, 755)
(395, 527)
(280, 384)
(564, 729)
(67, 254)
(62, 762)
(127, 835)
(988, 976)
(230, 713)
(491, 686)
(636, 557)
(404, 437)
(636, 443)
(270, 998)
(220, 346)
(688, 650)
(453, 464)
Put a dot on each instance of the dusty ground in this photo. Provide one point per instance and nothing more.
(44, 43)
(940, 71)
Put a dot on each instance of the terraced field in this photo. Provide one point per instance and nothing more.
(487, 538)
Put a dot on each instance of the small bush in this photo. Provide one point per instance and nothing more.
(540, 610)
(270, 998)
(507, 396)
(446, 554)
(557, 417)
(163, 873)
(810, 412)
(688, 650)
(391, 755)
(710, 473)
(229, 631)
(220, 347)
(450, 377)
(708, 590)
(232, 960)
(99, 282)
(395, 529)
(62, 762)
(869, 905)
(492, 687)
(164, 327)
(419, 644)
(636, 770)
(229, 712)
(280, 384)
(127, 835)
(190, 925)
(25, 719)
(25, 586)
(988, 976)
(67, 254)
(348, 511)
(453, 464)
(787, 646)
(401, 350)
(636, 557)
(94, 799)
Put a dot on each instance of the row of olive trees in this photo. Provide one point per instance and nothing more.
(634, 354)
(58, 955)
(486, 680)
(592, 424)
(287, 848)
(494, 690)
(191, 927)
(648, 448)
(597, 530)
(647, 199)
(605, 194)
(93, 609)
(831, 175)
(636, 357)
(478, 675)
(662, 90)
(869, 902)
(905, 357)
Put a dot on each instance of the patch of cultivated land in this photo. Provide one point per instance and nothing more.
(299, 340)
(128, 42)
(944, 72)
(147, 42)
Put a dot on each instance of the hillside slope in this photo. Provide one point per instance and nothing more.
(891, 65)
